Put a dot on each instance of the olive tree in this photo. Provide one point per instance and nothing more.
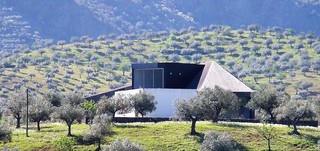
(295, 110)
(143, 103)
(265, 100)
(268, 42)
(15, 104)
(124, 67)
(61, 43)
(174, 57)
(100, 128)
(243, 42)
(39, 110)
(207, 104)
(70, 109)
(53, 98)
(190, 110)
(90, 108)
(215, 100)
(113, 105)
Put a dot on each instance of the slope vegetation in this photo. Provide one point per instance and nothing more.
(277, 58)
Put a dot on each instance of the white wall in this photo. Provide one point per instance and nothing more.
(165, 99)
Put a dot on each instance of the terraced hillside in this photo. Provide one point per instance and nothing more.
(280, 58)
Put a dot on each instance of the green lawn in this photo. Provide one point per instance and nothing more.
(167, 136)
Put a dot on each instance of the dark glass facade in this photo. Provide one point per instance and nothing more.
(148, 78)
(166, 75)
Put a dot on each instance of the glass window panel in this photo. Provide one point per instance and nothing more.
(138, 79)
(158, 78)
(148, 79)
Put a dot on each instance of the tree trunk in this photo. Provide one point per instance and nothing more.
(141, 113)
(18, 122)
(272, 118)
(69, 130)
(38, 125)
(91, 120)
(113, 115)
(295, 130)
(215, 118)
(269, 146)
(86, 120)
(288, 122)
(193, 127)
(99, 144)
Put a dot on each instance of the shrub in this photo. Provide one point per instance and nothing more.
(217, 141)
(124, 145)
(100, 127)
(5, 133)
(6, 148)
(65, 144)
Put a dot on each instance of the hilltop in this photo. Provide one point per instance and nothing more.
(62, 19)
(277, 58)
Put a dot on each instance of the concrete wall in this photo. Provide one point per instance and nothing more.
(165, 99)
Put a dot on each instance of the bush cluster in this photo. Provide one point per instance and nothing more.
(5, 133)
(123, 145)
(214, 141)
(65, 144)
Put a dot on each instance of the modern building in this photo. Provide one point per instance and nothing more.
(169, 82)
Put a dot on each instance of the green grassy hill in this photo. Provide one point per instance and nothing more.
(258, 58)
(167, 136)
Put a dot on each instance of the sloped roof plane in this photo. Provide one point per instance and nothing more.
(214, 75)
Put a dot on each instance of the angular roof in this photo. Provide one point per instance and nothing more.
(110, 93)
(214, 75)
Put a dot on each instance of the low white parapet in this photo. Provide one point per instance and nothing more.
(164, 97)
